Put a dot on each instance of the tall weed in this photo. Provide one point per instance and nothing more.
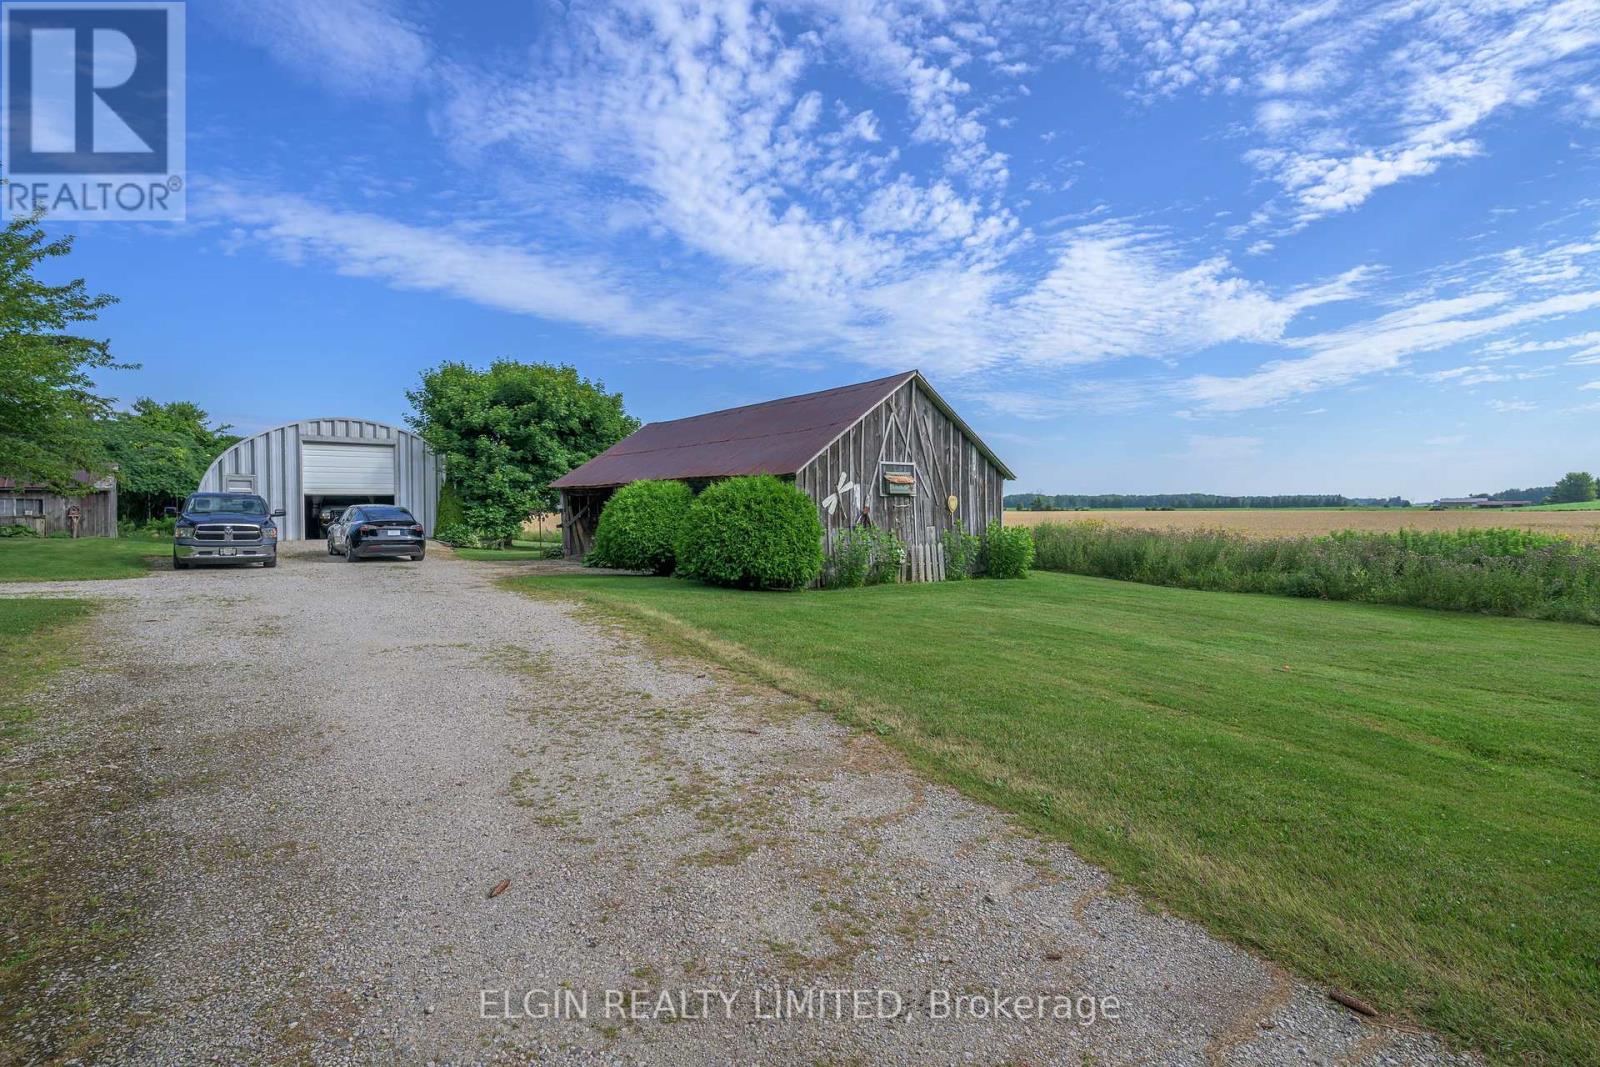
(1494, 571)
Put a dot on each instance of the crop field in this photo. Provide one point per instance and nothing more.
(1579, 524)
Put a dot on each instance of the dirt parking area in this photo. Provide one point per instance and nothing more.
(393, 811)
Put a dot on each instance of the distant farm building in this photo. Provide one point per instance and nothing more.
(889, 452)
(315, 465)
(46, 511)
(1479, 502)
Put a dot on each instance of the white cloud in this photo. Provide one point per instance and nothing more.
(506, 277)
(359, 47)
(1114, 291)
(1559, 344)
(1381, 345)
(1355, 99)
(809, 180)
(1513, 406)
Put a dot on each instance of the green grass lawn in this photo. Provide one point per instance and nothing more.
(519, 550)
(37, 637)
(59, 559)
(52, 925)
(1585, 505)
(1398, 801)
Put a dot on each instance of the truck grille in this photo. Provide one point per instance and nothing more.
(224, 532)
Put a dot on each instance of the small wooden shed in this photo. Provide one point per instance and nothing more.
(889, 452)
(46, 511)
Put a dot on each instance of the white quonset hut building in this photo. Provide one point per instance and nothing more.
(305, 466)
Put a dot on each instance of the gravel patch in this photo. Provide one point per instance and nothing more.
(354, 756)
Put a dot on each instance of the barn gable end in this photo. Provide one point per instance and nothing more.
(914, 433)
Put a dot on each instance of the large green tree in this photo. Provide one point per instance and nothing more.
(507, 432)
(1575, 487)
(161, 452)
(48, 406)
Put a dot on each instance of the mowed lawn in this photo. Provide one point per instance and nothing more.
(37, 637)
(519, 551)
(60, 559)
(1400, 802)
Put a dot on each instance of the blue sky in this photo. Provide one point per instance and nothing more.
(1230, 247)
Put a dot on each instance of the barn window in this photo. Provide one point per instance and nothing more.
(11, 506)
(898, 479)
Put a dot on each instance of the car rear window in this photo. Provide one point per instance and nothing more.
(387, 513)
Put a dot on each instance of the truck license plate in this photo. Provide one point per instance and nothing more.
(227, 551)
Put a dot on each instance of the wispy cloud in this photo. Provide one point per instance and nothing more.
(808, 181)
(1429, 75)
(509, 278)
(1383, 344)
(359, 47)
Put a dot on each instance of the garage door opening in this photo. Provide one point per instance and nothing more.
(323, 509)
(336, 474)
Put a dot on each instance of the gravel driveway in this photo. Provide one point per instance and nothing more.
(337, 764)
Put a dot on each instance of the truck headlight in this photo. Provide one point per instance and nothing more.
(182, 530)
(270, 533)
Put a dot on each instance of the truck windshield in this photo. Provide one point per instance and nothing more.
(215, 503)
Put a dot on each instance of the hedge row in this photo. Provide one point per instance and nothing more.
(749, 533)
(764, 533)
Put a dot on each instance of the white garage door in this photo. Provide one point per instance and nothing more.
(356, 470)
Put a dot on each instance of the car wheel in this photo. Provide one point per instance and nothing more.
(350, 553)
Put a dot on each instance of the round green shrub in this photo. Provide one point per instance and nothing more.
(1007, 551)
(752, 533)
(639, 527)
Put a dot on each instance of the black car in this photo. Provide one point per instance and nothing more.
(367, 530)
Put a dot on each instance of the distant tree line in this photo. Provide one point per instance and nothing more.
(1575, 487)
(1539, 494)
(1073, 501)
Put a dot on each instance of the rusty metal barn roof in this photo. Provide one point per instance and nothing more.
(777, 437)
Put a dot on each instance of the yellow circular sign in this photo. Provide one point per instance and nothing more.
(952, 503)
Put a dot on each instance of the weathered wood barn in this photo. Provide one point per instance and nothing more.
(46, 511)
(889, 452)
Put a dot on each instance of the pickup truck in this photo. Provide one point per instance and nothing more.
(224, 528)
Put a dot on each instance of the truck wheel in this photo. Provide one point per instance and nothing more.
(179, 564)
(272, 561)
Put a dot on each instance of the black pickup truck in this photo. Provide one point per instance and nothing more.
(224, 528)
